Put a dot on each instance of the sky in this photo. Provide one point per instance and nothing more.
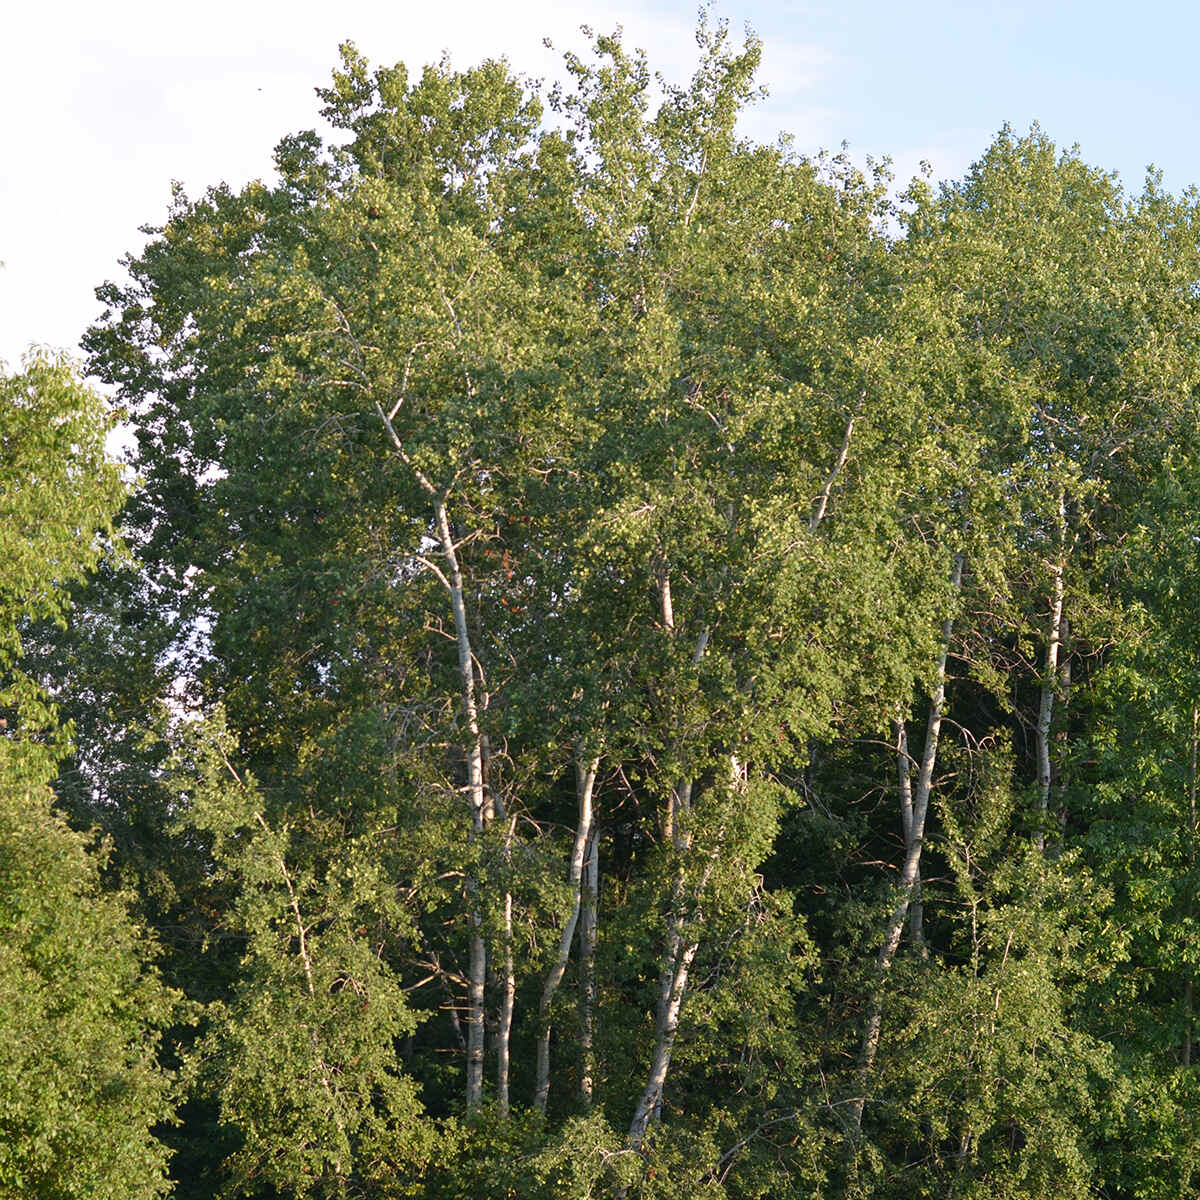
(103, 105)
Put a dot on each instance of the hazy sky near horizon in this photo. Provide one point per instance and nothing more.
(102, 106)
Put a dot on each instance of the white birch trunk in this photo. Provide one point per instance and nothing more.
(585, 782)
(452, 579)
(916, 914)
(910, 872)
(480, 810)
(682, 944)
(680, 949)
(504, 1029)
(493, 807)
(818, 514)
(672, 984)
(588, 933)
(1050, 684)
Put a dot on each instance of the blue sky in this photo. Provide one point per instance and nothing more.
(101, 106)
(1118, 79)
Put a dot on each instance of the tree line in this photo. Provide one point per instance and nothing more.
(636, 664)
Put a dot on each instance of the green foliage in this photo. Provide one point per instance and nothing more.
(512, 430)
(987, 1070)
(58, 494)
(80, 1010)
(81, 1005)
(302, 1055)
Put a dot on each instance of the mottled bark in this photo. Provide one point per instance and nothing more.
(904, 763)
(452, 580)
(672, 983)
(910, 871)
(1049, 687)
(504, 1026)
(585, 782)
(1051, 681)
(681, 944)
(818, 514)
(588, 934)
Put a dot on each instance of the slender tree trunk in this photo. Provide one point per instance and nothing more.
(504, 1029)
(673, 973)
(493, 807)
(1050, 684)
(1064, 703)
(1050, 678)
(818, 513)
(916, 913)
(910, 872)
(672, 983)
(508, 977)
(481, 810)
(585, 782)
(680, 946)
(588, 932)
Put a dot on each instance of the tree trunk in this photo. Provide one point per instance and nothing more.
(1050, 679)
(682, 944)
(493, 807)
(585, 782)
(481, 808)
(672, 983)
(910, 873)
(1064, 704)
(680, 949)
(504, 1029)
(1050, 683)
(480, 811)
(818, 513)
(588, 921)
(673, 974)
(904, 761)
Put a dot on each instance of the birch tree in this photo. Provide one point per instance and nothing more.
(1051, 266)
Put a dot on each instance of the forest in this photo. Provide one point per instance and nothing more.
(623, 662)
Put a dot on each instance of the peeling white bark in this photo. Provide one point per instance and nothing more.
(481, 811)
(588, 934)
(681, 944)
(823, 499)
(504, 1029)
(585, 783)
(671, 988)
(904, 762)
(910, 872)
(1050, 685)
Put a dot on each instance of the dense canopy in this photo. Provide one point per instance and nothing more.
(637, 664)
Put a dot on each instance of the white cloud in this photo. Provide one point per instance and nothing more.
(101, 106)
